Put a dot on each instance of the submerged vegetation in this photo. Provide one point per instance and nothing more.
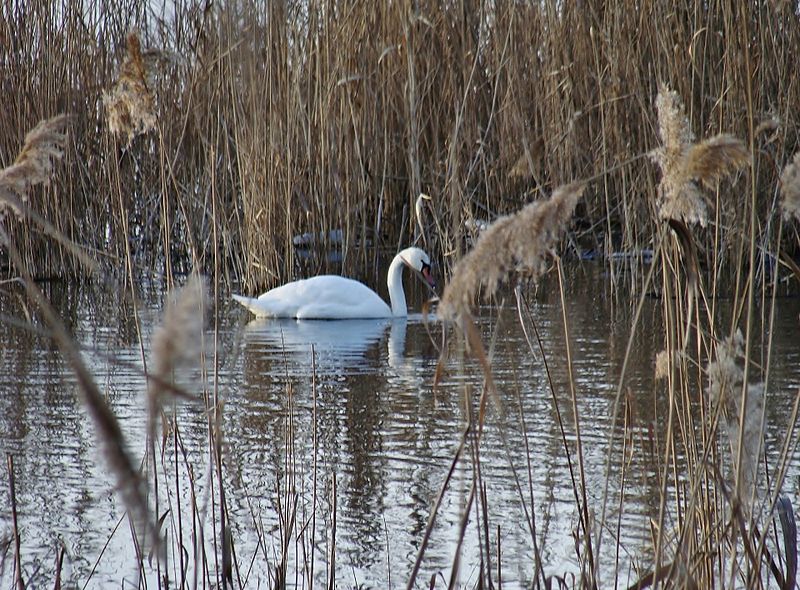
(214, 135)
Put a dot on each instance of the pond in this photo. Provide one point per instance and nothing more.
(337, 438)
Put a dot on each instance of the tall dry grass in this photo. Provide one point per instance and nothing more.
(130, 105)
(684, 163)
(268, 121)
(43, 145)
(720, 498)
(34, 166)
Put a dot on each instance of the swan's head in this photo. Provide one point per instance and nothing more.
(418, 260)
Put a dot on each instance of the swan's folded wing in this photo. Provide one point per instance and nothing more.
(324, 297)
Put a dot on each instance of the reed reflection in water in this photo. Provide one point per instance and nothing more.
(359, 407)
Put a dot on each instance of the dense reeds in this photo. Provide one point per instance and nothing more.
(684, 163)
(718, 529)
(246, 124)
(130, 106)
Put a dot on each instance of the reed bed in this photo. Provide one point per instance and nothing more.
(719, 496)
(260, 123)
(205, 137)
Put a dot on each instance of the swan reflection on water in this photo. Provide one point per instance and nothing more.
(325, 347)
(340, 347)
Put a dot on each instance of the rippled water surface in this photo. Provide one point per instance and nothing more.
(341, 420)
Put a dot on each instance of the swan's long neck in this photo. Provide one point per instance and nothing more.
(397, 296)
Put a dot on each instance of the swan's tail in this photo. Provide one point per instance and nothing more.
(247, 302)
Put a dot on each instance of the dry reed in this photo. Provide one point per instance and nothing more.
(290, 125)
(298, 125)
(521, 242)
(129, 481)
(666, 361)
(130, 105)
(44, 144)
(684, 163)
(179, 338)
(790, 189)
(726, 389)
(34, 165)
(178, 341)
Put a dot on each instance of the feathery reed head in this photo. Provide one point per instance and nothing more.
(725, 388)
(726, 373)
(790, 189)
(130, 107)
(521, 168)
(517, 242)
(712, 159)
(178, 341)
(179, 338)
(684, 163)
(43, 145)
(673, 125)
(666, 360)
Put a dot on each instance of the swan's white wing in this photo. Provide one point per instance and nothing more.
(324, 297)
(338, 298)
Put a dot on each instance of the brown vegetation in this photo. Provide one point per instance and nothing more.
(43, 145)
(519, 243)
(130, 106)
(684, 163)
(274, 120)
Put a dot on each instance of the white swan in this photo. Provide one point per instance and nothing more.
(329, 297)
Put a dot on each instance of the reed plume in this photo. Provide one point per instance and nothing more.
(519, 242)
(790, 189)
(666, 360)
(130, 106)
(178, 341)
(684, 163)
(44, 144)
(725, 389)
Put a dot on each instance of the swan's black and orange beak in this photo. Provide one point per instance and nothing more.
(426, 274)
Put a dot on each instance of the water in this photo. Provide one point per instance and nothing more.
(357, 414)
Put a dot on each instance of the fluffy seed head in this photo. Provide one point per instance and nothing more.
(517, 242)
(684, 163)
(665, 361)
(712, 159)
(726, 373)
(44, 144)
(179, 338)
(725, 389)
(790, 189)
(178, 341)
(130, 107)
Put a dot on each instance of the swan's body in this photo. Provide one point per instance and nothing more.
(330, 297)
(323, 297)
